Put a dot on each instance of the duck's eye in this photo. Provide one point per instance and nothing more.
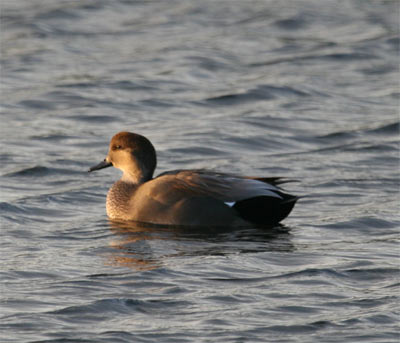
(117, 147)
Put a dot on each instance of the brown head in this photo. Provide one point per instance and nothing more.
(133, 154)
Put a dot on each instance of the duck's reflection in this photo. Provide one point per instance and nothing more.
(144, 247)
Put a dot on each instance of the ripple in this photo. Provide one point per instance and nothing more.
(294, 23)
(120, 306)
(392, 129)
(260, 93)
(42, 171)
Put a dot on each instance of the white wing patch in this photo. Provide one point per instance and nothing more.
(230, 204)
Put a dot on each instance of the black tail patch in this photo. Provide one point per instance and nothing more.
(266, 210)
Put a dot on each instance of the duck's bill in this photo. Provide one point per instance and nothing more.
(101, 165)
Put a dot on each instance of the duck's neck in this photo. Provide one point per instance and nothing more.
(137, 174)
(136, 178)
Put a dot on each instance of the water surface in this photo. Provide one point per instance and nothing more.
(306, 90)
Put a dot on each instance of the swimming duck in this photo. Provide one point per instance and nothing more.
(187, 197)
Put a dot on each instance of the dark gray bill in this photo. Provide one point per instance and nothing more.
(101, 165)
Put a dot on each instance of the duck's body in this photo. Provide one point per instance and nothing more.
(187, 197)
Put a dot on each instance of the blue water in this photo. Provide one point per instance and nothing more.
(306, 90)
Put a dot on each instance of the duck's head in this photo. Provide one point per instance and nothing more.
(133, 154)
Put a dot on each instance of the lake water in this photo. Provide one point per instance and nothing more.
(307, 90)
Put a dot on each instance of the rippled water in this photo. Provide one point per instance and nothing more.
(306, 90)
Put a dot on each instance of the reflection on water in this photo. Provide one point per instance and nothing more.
(144, 247)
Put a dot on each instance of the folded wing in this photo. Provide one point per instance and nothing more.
(258, 200)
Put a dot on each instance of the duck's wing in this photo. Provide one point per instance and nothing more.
(257, 200)
(225, 187)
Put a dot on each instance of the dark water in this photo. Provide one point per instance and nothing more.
(307, 90)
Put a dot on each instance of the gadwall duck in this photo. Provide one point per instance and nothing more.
(187, 197)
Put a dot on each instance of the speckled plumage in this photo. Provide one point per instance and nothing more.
(118, 200)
